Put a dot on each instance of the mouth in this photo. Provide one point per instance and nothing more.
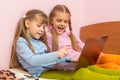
(61, 29)
(38, 35)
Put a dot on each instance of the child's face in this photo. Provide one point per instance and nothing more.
(60, 22)
(35, 29)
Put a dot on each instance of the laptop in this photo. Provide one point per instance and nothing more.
(89, 55)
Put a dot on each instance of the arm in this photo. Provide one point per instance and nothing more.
(24, 52)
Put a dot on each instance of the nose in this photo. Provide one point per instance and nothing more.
(62, 23)
(41, 29)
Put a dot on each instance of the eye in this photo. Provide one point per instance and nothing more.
(66, 21)
(43, 27)
(58, 20)
(38, 25)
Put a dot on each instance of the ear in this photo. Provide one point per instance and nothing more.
(27, 23)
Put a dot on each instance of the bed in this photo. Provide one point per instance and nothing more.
(112, 29)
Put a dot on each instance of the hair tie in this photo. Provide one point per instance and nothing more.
(50, 27)
(24, 16)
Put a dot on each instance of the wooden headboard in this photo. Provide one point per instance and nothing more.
(112, 29)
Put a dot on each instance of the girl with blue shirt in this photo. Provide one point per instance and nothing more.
(29, 50)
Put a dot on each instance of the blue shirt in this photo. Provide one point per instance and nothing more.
(34, 62)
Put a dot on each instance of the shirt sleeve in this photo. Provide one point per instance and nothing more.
(64, 59)
(24, 52)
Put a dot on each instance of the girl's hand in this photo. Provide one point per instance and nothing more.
(62, 52)
(74, 59)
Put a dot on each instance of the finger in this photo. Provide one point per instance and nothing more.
(65, 53)
(66, 47)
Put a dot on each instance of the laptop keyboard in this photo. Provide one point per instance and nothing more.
(66, 66)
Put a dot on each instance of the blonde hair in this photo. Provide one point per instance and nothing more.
(64, 9)
(21, 31)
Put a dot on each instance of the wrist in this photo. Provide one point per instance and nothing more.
(58, 55)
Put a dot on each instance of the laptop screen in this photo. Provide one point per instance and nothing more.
(91, 51)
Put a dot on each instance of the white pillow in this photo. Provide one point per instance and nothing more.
(25, 75)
